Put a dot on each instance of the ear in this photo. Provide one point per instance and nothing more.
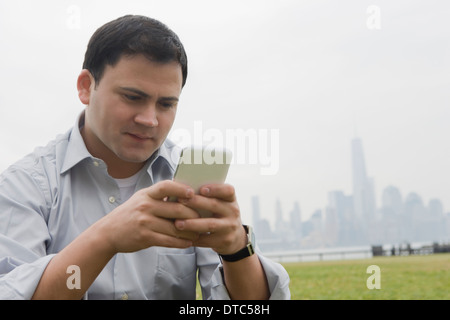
(85, 83)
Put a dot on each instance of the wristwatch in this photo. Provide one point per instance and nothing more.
(245, 252)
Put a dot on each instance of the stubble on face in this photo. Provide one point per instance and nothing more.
(131, 111)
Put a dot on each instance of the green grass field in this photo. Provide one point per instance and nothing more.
(404, 277)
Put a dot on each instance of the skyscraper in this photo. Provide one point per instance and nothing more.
(342, 228)
(363, 191)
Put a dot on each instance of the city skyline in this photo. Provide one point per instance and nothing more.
(370, 181)
(355, 219)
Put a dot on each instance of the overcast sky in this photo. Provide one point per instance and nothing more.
(315, 73)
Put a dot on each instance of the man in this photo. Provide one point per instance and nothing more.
(87, 217)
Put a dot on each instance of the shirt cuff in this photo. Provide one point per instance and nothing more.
(277, 278)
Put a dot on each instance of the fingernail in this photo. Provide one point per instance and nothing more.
(180, 224)
(189, 193)
(206, 191)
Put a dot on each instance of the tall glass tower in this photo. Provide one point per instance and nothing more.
(363, 191)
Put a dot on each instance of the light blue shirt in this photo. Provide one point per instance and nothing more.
(50, 196)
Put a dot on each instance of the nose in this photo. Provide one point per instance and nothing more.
(147, 117)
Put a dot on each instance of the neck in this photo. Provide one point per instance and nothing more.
(117, 168)
(120, 169)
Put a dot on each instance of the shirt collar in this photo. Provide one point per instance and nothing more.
(77, 151)
(169, 152)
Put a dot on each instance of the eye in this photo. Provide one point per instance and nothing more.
(166, 105)
(132, 97)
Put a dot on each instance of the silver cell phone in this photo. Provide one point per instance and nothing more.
(200, 166)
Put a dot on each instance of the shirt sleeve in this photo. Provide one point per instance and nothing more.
(23, 233)
(213, 285)
(277, 277)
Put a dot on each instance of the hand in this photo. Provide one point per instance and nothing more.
(223, 232)
(147, 219)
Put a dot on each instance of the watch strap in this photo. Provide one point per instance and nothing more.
(245, 252)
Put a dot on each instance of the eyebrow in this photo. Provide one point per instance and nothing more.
(145, 95)
(136, 91)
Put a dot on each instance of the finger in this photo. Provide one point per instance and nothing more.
(168, 188)
(164, 240)
(221, 191)
(173, 210)
(217, 207)
(203, 225)
(167, 227)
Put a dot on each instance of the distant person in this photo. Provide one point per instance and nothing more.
(86, 216)
(409, 249)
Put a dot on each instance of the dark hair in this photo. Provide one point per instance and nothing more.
(131, 35)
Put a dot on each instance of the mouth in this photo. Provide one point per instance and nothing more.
(139, 137)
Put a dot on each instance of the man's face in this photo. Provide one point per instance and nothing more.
(132, 109)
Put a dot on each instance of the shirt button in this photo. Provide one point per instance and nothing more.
(96, 163)
(124, 297)
(112, 199)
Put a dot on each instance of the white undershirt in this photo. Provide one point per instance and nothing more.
(127, 186)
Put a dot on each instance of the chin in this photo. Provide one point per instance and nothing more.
(138, 154)
(136, 157)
